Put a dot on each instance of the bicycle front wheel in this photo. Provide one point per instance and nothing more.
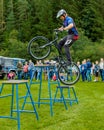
(36, 50)
(69, 74)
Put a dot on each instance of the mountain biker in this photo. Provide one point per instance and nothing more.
(69, 26)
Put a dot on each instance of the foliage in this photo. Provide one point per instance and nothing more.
(32, 18)
(13, 47)
(93, 26)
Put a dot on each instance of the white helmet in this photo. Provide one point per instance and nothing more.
(60, 12)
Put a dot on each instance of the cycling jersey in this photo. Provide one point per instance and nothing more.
(68, 20)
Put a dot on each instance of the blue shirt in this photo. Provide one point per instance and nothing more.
(83, 68)
(68, 20)
(89, 65)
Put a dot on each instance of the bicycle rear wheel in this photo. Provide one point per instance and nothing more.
(36, 50)
(69, 74)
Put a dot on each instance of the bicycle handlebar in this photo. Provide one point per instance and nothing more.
(55, 39)
(57, 30)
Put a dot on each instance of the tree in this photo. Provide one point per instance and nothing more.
(43, 19)
(91, 20)
(14, 47)
(9, 13)
(22, 19)
(2, 22)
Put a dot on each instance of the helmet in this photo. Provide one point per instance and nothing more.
(60, 12)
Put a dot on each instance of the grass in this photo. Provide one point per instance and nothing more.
(88, 114)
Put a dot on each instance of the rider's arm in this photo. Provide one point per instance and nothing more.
(61, 28)
(69, 26)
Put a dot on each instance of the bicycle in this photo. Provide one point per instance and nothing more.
(39, 48)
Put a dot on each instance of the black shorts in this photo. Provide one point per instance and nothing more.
(96, 74)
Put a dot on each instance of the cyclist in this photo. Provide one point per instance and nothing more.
(68, 25)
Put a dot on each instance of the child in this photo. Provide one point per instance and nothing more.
(11, 75)
(54, 77)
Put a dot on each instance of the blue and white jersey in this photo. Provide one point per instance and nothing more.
(68, 20)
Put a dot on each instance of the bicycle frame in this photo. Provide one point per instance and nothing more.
(54, 42)
(60, 60)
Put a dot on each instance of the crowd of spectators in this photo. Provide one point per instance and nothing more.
(26, 70)
(90, 71)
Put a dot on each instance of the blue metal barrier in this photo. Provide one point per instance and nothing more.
(15, 88)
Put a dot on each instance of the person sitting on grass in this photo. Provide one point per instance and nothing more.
(11, 75)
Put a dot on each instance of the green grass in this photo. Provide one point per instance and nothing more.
(88, 114)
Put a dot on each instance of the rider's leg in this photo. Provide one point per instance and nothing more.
(61, 43)
(69, 41)
(67, 51)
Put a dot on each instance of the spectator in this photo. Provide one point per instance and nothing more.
(92, 68)
(88, 72)
(101, 64)
(79, 65)
(19, 69)
(54, 78)
(83, 70)
(38, 69)
(25, 70)
(46, 62)
(51, 72)
(96, 71)
(30, 68)
(11, 75)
